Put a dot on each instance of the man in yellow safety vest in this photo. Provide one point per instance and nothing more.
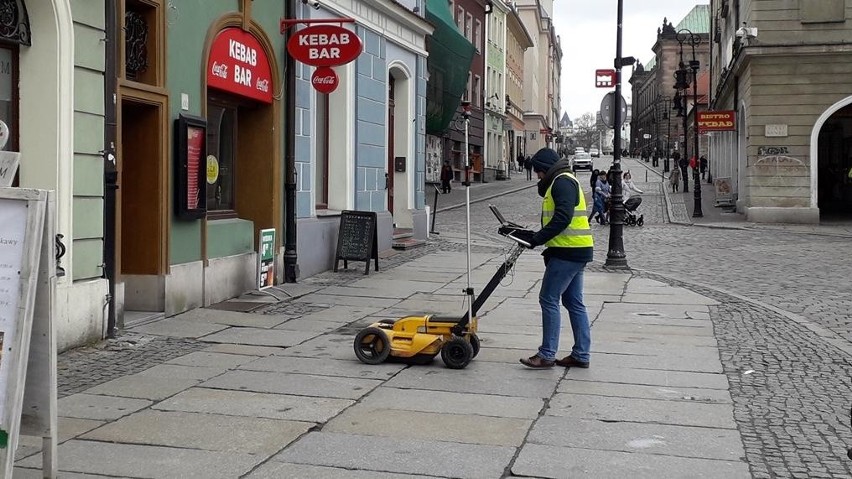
(569, 245)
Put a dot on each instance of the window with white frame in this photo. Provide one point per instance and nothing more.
(477, 91)
(477, 36)
(466, 95)
(460, 18)
(468, 27)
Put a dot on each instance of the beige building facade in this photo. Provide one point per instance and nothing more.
(518, 40)
(784, 68)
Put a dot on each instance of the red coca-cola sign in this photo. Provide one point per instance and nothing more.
(324, 80)
(325, 45)
(238, 64)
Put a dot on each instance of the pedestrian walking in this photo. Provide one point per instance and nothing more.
(520, 161)
(702, 164)
(446, 177)
(603, 190)
(674, 179)
(528, 166)
(569, 245)
(593, 179)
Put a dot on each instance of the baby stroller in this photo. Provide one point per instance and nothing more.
(630, 207)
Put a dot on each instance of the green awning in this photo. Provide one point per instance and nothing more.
(450, 56)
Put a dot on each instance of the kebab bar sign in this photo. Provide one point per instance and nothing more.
(716, 121)
(325, 46)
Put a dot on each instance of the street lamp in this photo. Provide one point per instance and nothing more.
(682, 84)
(666, 101)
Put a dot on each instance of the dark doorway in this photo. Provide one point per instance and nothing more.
(391, 120)
(834, 161)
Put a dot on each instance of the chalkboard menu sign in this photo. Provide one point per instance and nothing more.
(356, 239)
(191, 167)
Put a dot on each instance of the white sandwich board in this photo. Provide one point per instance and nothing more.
(28, 351)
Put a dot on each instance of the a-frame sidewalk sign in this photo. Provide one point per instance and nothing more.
(27, 335)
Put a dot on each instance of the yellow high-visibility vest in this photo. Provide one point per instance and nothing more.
(578, 234)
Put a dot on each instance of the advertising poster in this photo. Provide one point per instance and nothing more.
(194, 143)
(266, 259)
(13, 225)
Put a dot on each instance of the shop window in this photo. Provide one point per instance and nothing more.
(221, 144)
(9, 96)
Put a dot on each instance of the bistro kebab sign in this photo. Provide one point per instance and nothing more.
(325, 46)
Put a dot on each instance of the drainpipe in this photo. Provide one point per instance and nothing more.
(291, 267)
(110, 171)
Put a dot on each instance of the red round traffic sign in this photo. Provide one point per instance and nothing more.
(324, 80)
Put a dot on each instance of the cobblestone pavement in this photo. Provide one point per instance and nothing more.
(87, 367)
(791, 387)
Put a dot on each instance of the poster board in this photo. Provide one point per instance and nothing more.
(8, 166)
(266, 259)
(724, 191)
(357, 239)
(191, 167)
(27, 287)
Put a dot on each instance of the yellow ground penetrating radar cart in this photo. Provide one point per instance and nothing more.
(418, 339)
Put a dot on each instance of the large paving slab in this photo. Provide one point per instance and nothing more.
(228, 318)
(526, 342)
(324, 367)
(603, 345)
(327, 346)
(391, 285)
(671, 311)
(561, 462)
(69, 428)
(668, 440)
(594, 388)
(402, 456)
(143, 386)
(242, 349)
(652, 340)
(708, 364)
(210, 432)
(482, 378)
(385, 421)
(179, 329)
(341, 313)
(401, 291)
(101, 408)
(697, 328)
(21, 473)
(260, 337)
(678, 296)
(130, 460)
(207, 359)
(278, 470)
(322, 298)
(298, 384)
(650, 377)
(605, 408)
(251, 404)
(456, 403)
(310, 325)
(605, 283)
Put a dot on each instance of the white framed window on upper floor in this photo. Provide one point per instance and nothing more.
(477, 91)
(477, 36)
(466, 95)
(468, 27)
(460, 18)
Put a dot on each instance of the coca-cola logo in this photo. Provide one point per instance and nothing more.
(262, 85)
(220, 70)
(324, 80)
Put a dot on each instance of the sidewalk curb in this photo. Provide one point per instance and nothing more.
(486, 198)
(830, 337)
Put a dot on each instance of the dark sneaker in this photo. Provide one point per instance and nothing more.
(570, 362)
(537, 362)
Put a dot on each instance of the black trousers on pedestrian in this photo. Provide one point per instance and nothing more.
(445, 186)
(529, 175)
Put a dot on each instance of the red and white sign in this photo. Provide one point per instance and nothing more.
(716, 121)
(325, 45)
(238, 64)
(604, 78)
(324, 80)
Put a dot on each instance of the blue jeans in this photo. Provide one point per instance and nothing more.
(563, 280)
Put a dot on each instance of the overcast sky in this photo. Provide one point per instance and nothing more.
(588, 30)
